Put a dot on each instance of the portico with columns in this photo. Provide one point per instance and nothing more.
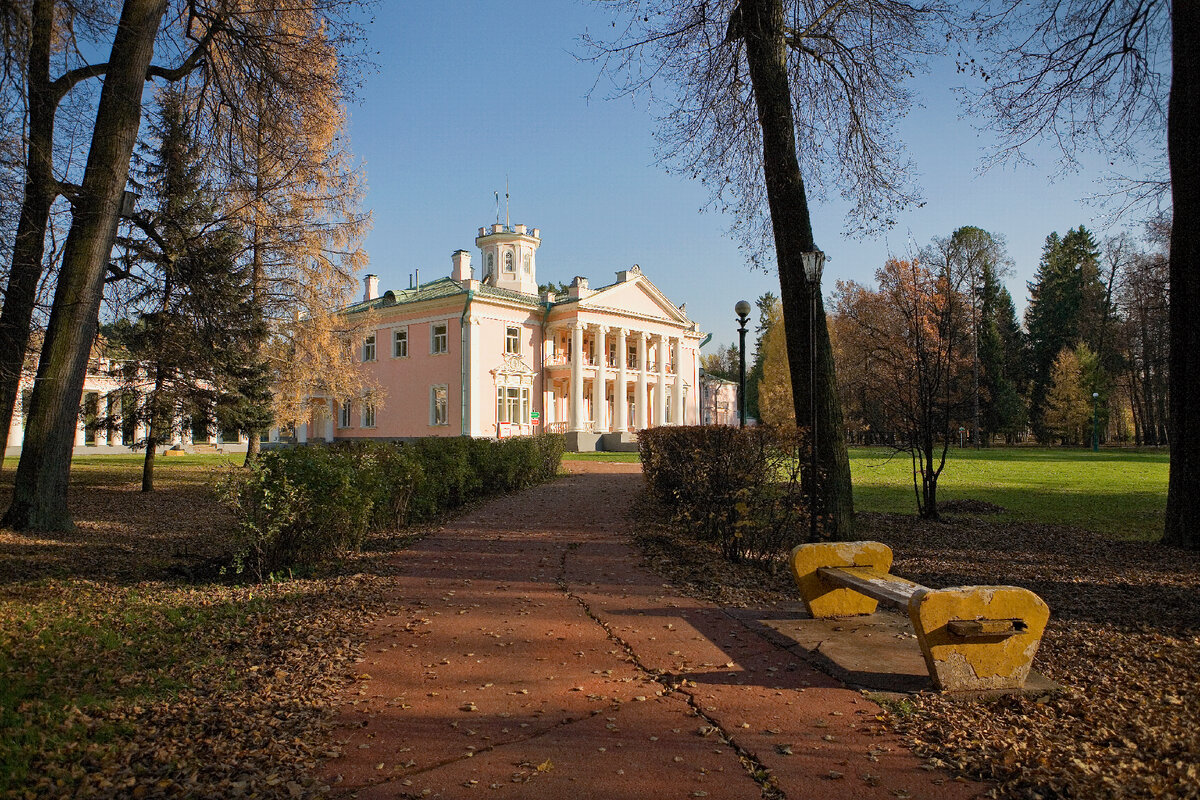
(620, 359)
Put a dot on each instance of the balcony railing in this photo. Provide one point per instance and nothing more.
(564, 360)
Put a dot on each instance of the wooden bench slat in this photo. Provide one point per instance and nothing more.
(985, 628)
(884, 587)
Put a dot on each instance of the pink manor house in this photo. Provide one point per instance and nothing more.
(494, 358)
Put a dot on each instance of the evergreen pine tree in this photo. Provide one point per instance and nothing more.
(196, 337)
(1001, 361)
(1066, 307)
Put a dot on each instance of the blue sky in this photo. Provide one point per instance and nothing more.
(469, 92)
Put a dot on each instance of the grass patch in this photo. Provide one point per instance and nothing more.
(1119, 493)
(119, 679)
(603, 456)
(81, 660)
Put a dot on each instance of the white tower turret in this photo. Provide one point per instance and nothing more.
(509, 257)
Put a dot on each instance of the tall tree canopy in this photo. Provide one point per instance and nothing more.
(192, 336)
(233, 53)
(772, 99)
(1122, 77)
(1066, 307)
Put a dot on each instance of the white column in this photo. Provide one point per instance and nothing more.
(677, 390)
(643, 420)
(332, 409)
(139, 426)
(599, 384)
(16, 431)
(575, 409)
(302, 433)
(111, 401)
(81, 428)
(620, 409)
(660, 388)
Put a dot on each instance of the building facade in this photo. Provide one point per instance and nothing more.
(105, 427)
(718, 400)
(493, 357)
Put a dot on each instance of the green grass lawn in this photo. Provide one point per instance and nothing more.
(603, 456)
(1120, 493)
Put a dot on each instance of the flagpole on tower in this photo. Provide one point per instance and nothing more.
(507, 222)
(497, 207)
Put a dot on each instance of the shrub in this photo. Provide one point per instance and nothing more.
(737, 488)
(299, 506)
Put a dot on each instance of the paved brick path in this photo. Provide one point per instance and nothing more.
(534, 657)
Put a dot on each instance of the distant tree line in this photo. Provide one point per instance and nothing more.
(1096, 322)
(1092, 350)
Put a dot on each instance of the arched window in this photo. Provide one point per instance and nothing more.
(508, 261)
(528, 260)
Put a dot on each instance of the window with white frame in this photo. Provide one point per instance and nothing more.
(439, 405)
(512, 404)
(400, 343)
(344, 414)
(508, 261)
(368, 353)
(368, 413)
(512, 341)
(528, 261)
(439, 339)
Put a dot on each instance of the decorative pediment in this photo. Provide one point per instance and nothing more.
(513, 365)
(636, 296)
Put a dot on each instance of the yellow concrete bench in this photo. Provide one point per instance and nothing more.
(973, 637)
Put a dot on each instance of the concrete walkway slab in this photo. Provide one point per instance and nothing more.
(532, 655)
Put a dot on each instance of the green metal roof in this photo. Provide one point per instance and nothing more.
(436, 290)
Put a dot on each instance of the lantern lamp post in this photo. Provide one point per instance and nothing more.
(742, 309)
(1095, 423)
(814, 262)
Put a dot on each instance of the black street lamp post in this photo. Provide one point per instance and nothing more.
(742, 309)
(814, 262)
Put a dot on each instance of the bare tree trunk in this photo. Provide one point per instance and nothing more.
(257, 290)
(766, 55)
(40, 489)
(1183, 149)
(20, 296)
(148, 461)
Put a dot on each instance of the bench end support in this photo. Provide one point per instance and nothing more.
(975, 661)
(824, 599)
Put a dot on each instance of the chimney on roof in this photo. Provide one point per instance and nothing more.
(578, 288)
(461, 261)
(370, 287)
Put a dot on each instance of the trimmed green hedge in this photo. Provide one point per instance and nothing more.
(298, 506)
(737, 488)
